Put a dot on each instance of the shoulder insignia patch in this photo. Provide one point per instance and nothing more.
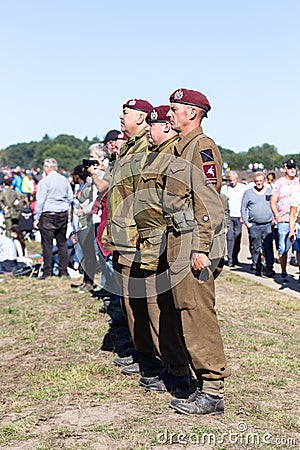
(210, 172)
(207, 155)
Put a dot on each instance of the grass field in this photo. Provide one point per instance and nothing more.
(60, 390)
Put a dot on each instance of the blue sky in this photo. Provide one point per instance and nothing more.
(67, 66)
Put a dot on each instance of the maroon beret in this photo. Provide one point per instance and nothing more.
(189, 97)
(158, 114)
(140, 105)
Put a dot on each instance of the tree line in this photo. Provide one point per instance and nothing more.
(265, 154)
(69, 151)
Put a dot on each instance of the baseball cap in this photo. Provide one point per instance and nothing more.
(111, 135)
(78, 170)
(290, 163)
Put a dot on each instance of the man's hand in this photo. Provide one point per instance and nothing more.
(36, 224)
(73, 238)
(199, 261)
(91, 170)
(292, 237)
(293, 233)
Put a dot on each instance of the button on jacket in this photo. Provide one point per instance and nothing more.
(196, 179)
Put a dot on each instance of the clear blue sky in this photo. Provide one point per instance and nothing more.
(67, 66)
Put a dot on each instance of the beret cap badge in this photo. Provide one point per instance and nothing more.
(154, 115)
(132, 102)
(178, 94)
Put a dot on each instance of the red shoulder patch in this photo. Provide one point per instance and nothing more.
(210, 172)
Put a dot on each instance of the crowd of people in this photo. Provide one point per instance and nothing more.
(269, 210)
(148, 212)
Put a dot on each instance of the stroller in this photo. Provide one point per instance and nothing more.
(26, 223)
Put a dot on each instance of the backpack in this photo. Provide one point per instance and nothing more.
(27, 270)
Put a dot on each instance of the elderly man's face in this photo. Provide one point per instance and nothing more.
(128, 121)
(178, 115)
(155, 133)
(232, 181)
(259, 182)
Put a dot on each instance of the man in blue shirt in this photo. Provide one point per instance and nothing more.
(257, 216)
(53, 197)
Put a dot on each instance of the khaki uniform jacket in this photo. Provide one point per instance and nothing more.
(13, 201)
(194, 182)
(148, 211)
(123, 229)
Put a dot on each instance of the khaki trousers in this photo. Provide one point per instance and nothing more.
(195, 301)
(134, 303)
(165, 323)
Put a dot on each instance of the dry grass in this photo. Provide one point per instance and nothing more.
(59, 390)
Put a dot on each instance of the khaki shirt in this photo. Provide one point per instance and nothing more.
(148, 211)
(194, 181)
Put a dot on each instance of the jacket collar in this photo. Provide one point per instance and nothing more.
(186, 140)
(131, 142)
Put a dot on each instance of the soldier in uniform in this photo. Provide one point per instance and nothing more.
(195, 245)
(11, 202)
(122, 238)
(164, 319)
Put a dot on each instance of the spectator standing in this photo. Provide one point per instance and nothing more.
(53, 198)
(17, 182)
(294, 234)
(26, 184)
(99, 153)
(83, 227)
(110, 143)
(271, 178)
(283, 190)
(234, 191)
(257, 216)
(108, 289)
(11, 203)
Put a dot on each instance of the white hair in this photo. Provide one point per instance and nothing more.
(99, 150)
(51, 163)
(233, 174)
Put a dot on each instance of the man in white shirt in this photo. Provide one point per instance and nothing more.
(234, 191)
